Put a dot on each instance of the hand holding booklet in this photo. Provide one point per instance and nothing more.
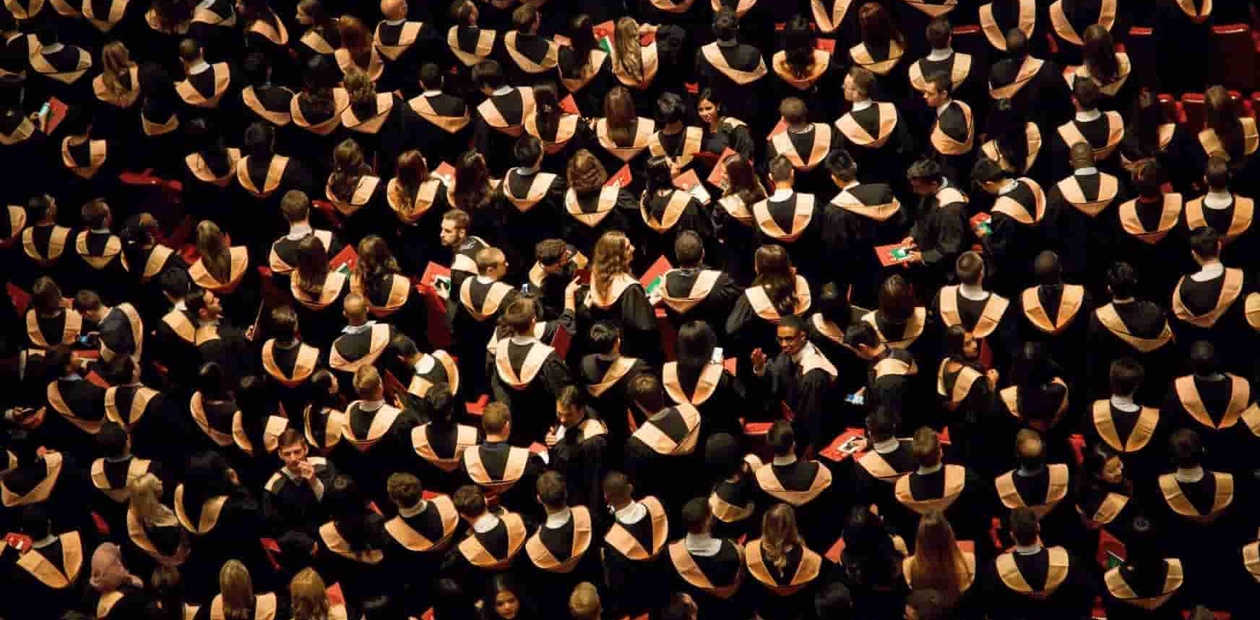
(892, 254)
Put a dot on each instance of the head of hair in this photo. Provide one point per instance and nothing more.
(658, 175)
(585, 174)
(112, 440)
(404, 489)
(942, 83)
(581, 36)
(312, 266)
(935, 557)
(794, 111)
(743, 181)
(798, 44)
(524, 17)
(308, 596)
(584, 602)
(495, 418)
(46, 296)
(1099, 54)
(688, 249)
(1086, 94)
(645, 391)
(571, 398)
(1217, 174)
(552, 491)
(1030, 450)
(896, 299)
(527, 150)
(779, 535)
(863, 80)
(472, 182)
(609, 261)
(776, 276)
(1148, 178)
(1125, 375)
(670, 109)
(877, 28)
(863, 334)
(189, 50)
(841, 165)
(881, 425)
(781, 438)
(604, 335)
(926, 171)
(833, 304)
(214, 250)
(929, 604)
(939, 32)
(926, 447)
(725, 24)
(458, 218)
(1203, 360)
(723, 457)
(1186, 448)
(696, 514)
(617, 487)
(237, 590)
(520, 316)
(295, 206)
(696, 344)
(258, 140)
(1024, 527)
(1122, 280)
(1205, 242)
(620, 116)
(488, 74)
(986, 170)
(1081, 155)
(969, 267)
(469, 501)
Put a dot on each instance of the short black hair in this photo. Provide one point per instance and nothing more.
(1203, 358)
(1122, 280)
(725, 24)
(527, 150)
(1126, 375)
(1186, 448)
(670, 109)
(833, 602)
(926, 170)
(861, 333)
(430, 76)
(782, 438)
(695, 514)
(112, 440)
(1024, 526)
(688, 248)
(604, 334)
(1205, 242)
(840, 164)
(488, 74)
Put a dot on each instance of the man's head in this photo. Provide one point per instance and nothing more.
(697, 516)
(1126, 376)
(1217, 174)
(926, 447)
(1030, 451)
(1203, 361)
(1046, 269)
(368, 384)
(520, 316)
(864, 340)
(88, 303)
(1121, 280)
(496, 421)
(525, 19)
(1205, 245)
(1081, 155)
(284, 324)
(454, 228)
(439, 402)
(469, 503)
(355, 309)
(488, 76)
(970, 268)
(584, 603)
(204, 305)
(42, 209)
(528, 152)
(618, 490)
(781, 438)
(939, 33)
(688, 249)
(605, 338)
(394, 9)
(491, 263)
(725, 24)
(781, 171)
(1024, 526)
(551, 254)
(988, 175)
(404, 489)
(794, 112)
(938, 90)
(96, 215)
(881, 425)
(113, 440)
(553, 494)
(189, 52)
(1148, 178)
(791, 334)
(570, 406)
(858, 84)
(926, 177)
(1186, 449)
(841, 166)
(645, 391)
(295, 206)
(292, 448)
(1085, 95)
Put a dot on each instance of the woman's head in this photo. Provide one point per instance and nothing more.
(798, 44)
(658, 174)
(356, 37)
(877, 27)
(833, 303)
(312, 266)
(375, 259)
(348, 158)
(619, 108)
(46, 296)
(237, 590)
(210, 239)
(585, 174)
(772, 260)
(696, 343)
(116, 63)
(896, 300)
(472, 181)
(412, 169)
(613, 253)
(307, 592)
(1100, 54)
(361, 90)
(779, 534)
(629, 53)
(708, 108)
(742, 179)
(503, 597)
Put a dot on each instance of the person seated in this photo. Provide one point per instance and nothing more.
(1103, 131)
(1129, 327)
(204, 84)
(236, 597)
(941, 565)
(49, 322)
(362, 343)
(1133, 431)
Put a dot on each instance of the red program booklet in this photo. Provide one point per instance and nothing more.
(621, 179)
(892, 254)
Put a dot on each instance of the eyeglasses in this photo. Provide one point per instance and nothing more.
(787, 338)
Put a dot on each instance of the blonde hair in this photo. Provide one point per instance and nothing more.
(116, 68)
(237, 590)
(215, 253)
(935, 565)
(584, 603)
(629, 53)
(144, 500)
(778, 534)
(609, 261)
(309, 597)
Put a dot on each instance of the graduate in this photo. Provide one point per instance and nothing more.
(530, 55)
(792, 219)
(1017, 231)
(1044, 488)
(556, 265)
(952, 491)
(731, 70)
(1056, 314)
(801, 380)
(777, 292)
(527, 374)
(1208, 303)
(858, 219)
(886, 460)
(444, 132)
(804, 484)
(47, 571)
(891, 373)
(204, 85)
(498, 121)
(293, 497)
(363, 343)
(696, 378)
(558, 550)
(493, 544)
(953, 134)
(73, 408)
(942, 59)
(965, 388)
(1132, 327)
(419, 536)
(710, 570)
(939, 227)
(579, 443)
(1148, 584)
(1219, 406)
(1150, 236)
(1083, 204)
(379, 432)
(533, 201)
(804, 144)
(102, 265)
(661, 456)
(464, 247)
(113, 473)
(632, 547)
(441, 442)
(473, 313)
(399, 42)
(874, 133)
(1133, 432)
(802, 69)
(692, 292)
(1034, 580)
(669, 211)
(283, 257)
(1104, 131)
(505, 473)
(982, 313)
(1228, 213)
(617, 296)
(606, 375)
(786, 571)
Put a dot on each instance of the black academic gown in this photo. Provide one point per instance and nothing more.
(1047, 584)
(661, 457)
(1139, 330)
(1213, 310)
(1215, 407)
(714, 582)
(806, 485)
(415, 547)
(607, 382)
(860, 218)
(505, 473)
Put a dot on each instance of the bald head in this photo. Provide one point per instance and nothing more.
(1029, 448)
(355, 309)
(491, 262)
(394, 9)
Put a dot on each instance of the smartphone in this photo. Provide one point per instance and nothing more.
(855, 399)
(851, 445)
(88, 341)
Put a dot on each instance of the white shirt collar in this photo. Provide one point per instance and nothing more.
(1086, 116)
(396, 22)
(1189, 475)
(858, 106)
(630, 514)
(781, 194)
(1009, 187)
(368, 406)
(1218, 200)
(1086, 171)
(1124, 403)
(485, 280)
(1210, 271)
(414, 510)
(181, 306)
(702, 545)
(1032, 549)
(199, 67)
(927, 471)
(358, 329)
(940, 109)
(99, 231)
(502, 90)
(887, 446)
(485, 523)
(523, 339)
(973, 292)
(425, 364)
(939, 55)
(557, 520)
(784, 460)
(800, 355)
(852, 184)
(299, 231)
(431, 93)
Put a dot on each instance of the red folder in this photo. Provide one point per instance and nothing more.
(56, 114)
(717, 178)
(981, 224)
(435, 286)
(652, 277)
(833, 453)
(569, 105)
(446, 172)
(689, 182)
(887, 254)
(621, 179)
(347, 258)
(826, 45)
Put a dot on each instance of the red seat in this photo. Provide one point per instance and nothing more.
(1172, 108)
(1141, 49)
(1233, 62)
(1193, 108)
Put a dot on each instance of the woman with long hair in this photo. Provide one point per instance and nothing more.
(784, 569)
(696, 379)
(591, 204)
(964, 390)
(733, 498)
(583, 66)
(1105, 495)
(167, 588)
(159, 119)
(1151, 134)
(506, 600)
(119, 82)
(388, 290)
(321, 38)
(622, 134)
(308, 598)
(264, 30)
(802, 70)
(324, 416)
(1107, 68)
(49, 322)
(633, 63)
(316, 109)
(237, 600)
(1037, 397)
(1230, 135)
(381, 122)
(212, 405)
(152, 526)
(833, 314)
(356, 50)
(721, 132)
(120, 594)
(352, 543)
(776, 292)
(209, 170)
(259, 421)
(418, 199)
(1014, 142)
(939, 562)
(881, 50)
(356, 193)
(318, 290)
(615, 295)
(902, 322)
(870, 565)
(667, 210)
(734, 219)
(221, 268)
(562, 132)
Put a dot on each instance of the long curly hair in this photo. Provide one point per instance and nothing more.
(348, 167)
(611, 259)
(779, 535)
(629, 53)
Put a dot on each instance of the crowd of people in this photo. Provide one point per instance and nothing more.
(591, 309)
